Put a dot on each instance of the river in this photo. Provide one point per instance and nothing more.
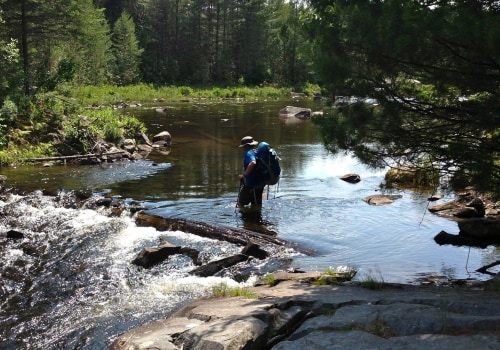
(69, 283)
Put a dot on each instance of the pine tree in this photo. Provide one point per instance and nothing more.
(434, 69)
(126, 51)
(91, 47)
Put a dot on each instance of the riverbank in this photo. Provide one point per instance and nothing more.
(296, 314)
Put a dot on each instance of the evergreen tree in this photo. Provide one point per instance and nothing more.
(288, 47)
(9, 68)
(37, 27)
(158, 30)
(250, 42)
(434, 69)
(126, 51)
(91, 48)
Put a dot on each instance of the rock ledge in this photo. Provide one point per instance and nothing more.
(295, 314)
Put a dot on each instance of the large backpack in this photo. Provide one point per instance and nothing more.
(268, 164)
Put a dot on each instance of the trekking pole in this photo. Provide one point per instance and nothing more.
(276, 188)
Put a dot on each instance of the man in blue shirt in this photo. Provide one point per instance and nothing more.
(252, 186)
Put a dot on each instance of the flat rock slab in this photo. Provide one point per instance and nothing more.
(295, 314)
(359, 340)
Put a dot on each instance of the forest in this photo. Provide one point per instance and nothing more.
(161, 42)
(432, 66)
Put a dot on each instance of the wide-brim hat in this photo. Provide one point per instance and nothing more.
(248, 141)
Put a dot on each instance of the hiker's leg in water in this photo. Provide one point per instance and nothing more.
(257, 196)
(245, 197)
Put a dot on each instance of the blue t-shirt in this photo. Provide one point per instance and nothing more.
(252, 179)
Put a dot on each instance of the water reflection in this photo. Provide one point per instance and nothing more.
(311, 206)
(70, 284)
(252, 220)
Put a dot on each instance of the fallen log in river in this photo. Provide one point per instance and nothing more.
(75, 157)
(214, 231)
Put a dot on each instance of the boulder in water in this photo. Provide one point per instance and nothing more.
(381, 199)
(351, 178)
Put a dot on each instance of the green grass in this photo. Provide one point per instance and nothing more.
(372, 282)
(223, 290)
(269, 280)
(108, 94)
(332, 276)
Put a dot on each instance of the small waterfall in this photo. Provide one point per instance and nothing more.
(69, 283)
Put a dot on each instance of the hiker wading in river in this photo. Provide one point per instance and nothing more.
(251, 186)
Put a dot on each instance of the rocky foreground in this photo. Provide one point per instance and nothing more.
(297, 314)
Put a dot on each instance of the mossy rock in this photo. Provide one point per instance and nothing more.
(413, 177)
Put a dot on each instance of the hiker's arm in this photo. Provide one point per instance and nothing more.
(248, 170)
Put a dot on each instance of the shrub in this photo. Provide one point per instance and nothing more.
(186, 90)
(8, 112)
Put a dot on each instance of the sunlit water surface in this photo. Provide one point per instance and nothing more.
(70, 284)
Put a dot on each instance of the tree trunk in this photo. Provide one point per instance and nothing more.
(219, 232)
(24, 48)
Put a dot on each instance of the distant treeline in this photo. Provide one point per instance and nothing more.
(164, 42)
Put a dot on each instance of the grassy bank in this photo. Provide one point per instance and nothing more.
(60, 122)
(143, 93)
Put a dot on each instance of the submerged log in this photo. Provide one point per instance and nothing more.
(220, 232)
(75, 157)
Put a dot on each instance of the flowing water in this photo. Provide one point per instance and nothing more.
(69, 283)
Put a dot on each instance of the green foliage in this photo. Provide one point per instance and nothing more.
(422, 176)
(310, 89)
(8, 112)
(432, 72)
(160, 42)
(10, 71)
(81, 132)
(16, 154)
(45, 115)
(91, 47)
(269, 280)
(46, 124)
(372, 282)
(334, 276)
(186, 91)
(126, 51)
(223, 290)
(108, 95)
